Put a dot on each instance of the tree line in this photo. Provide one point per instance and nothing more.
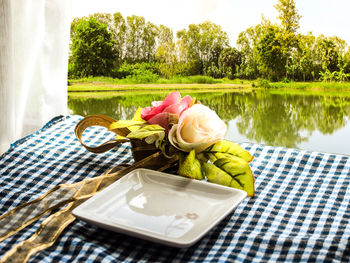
(131, 47)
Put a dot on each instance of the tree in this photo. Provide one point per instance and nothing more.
(230, 60)
(203, 43)
(135, 27)
(327, 51)
(247, 43)
(302, 64)
(150, 35)
(140, 39)
(166, 52)
(93, 52)
(347, 61)
(270, 54)
(115, 24)
(289, 17)
(119, 32)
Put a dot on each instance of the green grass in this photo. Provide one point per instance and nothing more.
(88, 87)
(103, 84)
(311, 85)
(312, 92)
(111, 93)
(108, 84)
(176, 80)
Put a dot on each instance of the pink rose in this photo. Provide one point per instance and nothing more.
(198, 128)
(158, 114)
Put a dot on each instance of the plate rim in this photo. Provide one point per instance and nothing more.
(79, 212)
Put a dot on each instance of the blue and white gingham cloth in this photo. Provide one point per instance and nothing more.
(300, 212)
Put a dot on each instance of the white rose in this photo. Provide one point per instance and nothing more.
(198, 128)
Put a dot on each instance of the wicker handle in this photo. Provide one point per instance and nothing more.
(97, 120)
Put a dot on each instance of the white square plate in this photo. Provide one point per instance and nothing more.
(160, 207)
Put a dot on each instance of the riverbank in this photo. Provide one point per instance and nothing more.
(197, 83)
(104, 84)
(311, 85)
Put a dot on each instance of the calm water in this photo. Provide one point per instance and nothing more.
(313, 121)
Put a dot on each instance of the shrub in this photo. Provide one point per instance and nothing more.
(285, 80)
(144, 68)
(143, 76)
(93, 52)
(263, 83)
(203, 79)
(213, 71)
(145, 72)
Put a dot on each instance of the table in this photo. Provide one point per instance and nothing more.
(300, 212)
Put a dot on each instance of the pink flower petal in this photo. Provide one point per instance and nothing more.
(145, 112)
(187, 99)
(175, 108)
(172, 98)
(157, 103)
(186, 102)
(179, 107)
(160, 119)
(148, 112)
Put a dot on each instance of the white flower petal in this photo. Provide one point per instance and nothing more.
(198, 128)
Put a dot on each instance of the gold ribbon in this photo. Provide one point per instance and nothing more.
(71, 194)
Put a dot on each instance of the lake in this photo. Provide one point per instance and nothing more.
(311, 120)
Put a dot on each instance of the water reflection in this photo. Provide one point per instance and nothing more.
(269, 117)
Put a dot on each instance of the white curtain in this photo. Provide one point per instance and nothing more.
(34, 43)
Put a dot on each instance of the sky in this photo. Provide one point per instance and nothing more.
(327, 17)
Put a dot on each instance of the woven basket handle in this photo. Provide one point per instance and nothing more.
(97, 120)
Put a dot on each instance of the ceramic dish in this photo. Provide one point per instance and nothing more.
(160, 207)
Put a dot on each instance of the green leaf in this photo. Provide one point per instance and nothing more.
(145, 131)
(226, 149)
(217, 176)
(190, 166)
(137, 116)
(124, 124)
(240, 172)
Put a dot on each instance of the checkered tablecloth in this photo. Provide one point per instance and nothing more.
(300, 212)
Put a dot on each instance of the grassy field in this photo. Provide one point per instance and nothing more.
(311, 85)
(197, 83)
(104, 84)
(105, 87)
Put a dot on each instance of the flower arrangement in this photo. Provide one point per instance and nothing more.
(185, 128)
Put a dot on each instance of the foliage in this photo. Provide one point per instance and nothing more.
(266, 50)
(93, 50)
(230, 60)
(288, 15)
(139, 72)
(143, 77)
(202, 79)
(143, 68)
(203, 43)
(227, 168)
(119, 30)
(140, 40)
(263, 83)
(247, 44)
(212, 71)
(271, 57)
(166, 53)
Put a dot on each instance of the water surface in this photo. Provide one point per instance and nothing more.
(317, 121)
